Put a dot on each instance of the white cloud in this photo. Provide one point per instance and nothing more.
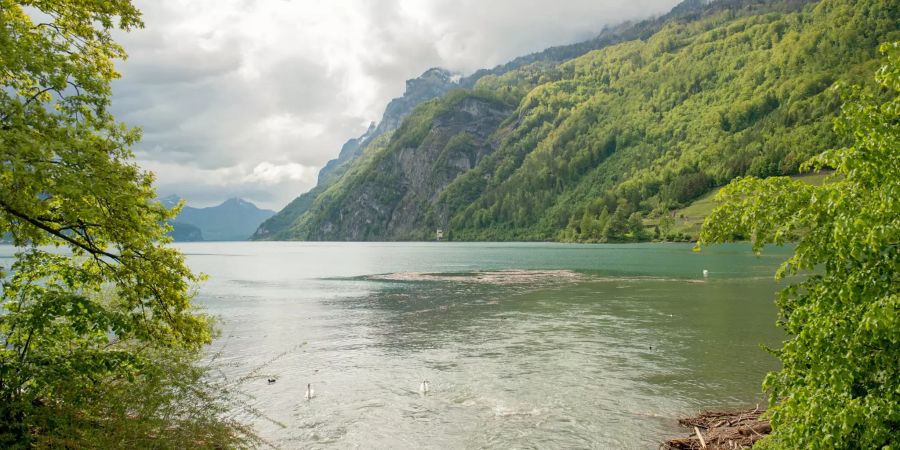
(209, 186)
(287, 125)
(260, 92)
(272, 174)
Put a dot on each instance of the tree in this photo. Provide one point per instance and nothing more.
(666, 222)
(602, 220)
(94, 276)
(636, 226)
(618, 223)
(839, 386)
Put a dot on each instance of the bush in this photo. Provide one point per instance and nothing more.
(839, 386)
(169, 404)
(153, 397)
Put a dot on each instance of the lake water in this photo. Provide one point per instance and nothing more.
(524, 345)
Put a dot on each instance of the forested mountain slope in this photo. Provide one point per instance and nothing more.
(437, 82)
(585, 149)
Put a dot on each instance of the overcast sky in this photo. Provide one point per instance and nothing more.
(249, 98)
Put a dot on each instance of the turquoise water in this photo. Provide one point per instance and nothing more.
(524, 345)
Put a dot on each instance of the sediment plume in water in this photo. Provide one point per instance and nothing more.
(484, 277)
(515, 276)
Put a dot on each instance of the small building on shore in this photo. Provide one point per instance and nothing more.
(439, 234)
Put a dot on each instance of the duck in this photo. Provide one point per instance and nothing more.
(425, 387)
(271, 380)
(309, 392)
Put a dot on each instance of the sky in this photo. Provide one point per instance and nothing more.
(250, 98)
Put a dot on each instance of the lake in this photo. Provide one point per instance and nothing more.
(524, 344)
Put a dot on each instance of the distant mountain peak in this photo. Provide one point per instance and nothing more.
(233, 219)
(170, 201)
(433, 82)
(437, 73)
(237, 202)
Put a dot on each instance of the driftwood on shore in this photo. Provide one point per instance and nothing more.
(719, 430)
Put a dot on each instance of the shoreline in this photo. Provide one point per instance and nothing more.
(725, 430)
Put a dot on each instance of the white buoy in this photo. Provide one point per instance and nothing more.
(425, 387)
(309, 392)
(705, 273)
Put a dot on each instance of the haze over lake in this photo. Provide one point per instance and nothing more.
(538, 345)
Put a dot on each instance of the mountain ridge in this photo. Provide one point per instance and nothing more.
(398, 108)
(629, 132)
(235, 219)
(433, 83)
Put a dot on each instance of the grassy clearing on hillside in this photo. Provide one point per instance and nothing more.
(688, 220)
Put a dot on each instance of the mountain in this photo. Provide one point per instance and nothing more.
(431, 84)
(390, 194)
(233, 220)
(185, 232)
(628, 31)
(436, 82)
(590, 148)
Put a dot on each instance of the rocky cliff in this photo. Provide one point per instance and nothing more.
(397, 198)
(433, 83)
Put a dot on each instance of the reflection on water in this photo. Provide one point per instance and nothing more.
(555, 346)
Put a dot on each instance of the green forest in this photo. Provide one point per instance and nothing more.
(607, 147)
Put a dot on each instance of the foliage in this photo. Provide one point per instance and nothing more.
(660, 122)
(840, 382)
(83, 215)
(169, 402)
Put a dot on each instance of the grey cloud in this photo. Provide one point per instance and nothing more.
(248, 97)
(302, 86)
(182, 66)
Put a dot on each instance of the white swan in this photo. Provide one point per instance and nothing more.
(425, 387)
(705, 273)
(310, 393)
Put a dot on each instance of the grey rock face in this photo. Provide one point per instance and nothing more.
(397, 200)
(433, 83)
(349, 151)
